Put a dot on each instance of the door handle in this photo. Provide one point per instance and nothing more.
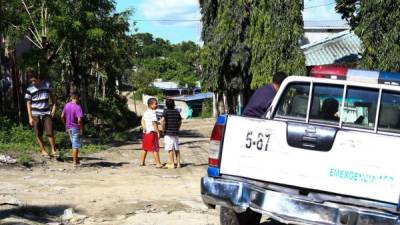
(308, 141)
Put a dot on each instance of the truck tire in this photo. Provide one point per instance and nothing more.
(230, 217)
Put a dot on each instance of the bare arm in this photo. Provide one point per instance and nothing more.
(80, 121)
(63, 118)
(180, 124)
(29, 109)
(162, 122)
(53, 103)
(155, 125)
(143, 126)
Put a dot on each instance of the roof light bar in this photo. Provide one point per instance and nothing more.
(389, 78)
(365, 76)
(329, 71)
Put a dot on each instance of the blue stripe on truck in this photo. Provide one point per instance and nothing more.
(221, 120)
(213, 171)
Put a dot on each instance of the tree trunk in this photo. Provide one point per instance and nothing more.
(215, 105)
(239, 110)
(104, 88)
(85, 93)
(16, 88)
(225, 101)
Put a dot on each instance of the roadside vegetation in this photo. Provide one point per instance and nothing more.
(86, 47)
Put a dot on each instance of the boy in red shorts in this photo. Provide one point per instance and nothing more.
(151, 134)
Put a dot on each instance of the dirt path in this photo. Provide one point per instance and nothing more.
(110, 188)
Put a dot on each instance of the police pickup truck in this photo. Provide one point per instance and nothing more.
(327, 152)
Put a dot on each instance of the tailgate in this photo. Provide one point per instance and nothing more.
(359, 164)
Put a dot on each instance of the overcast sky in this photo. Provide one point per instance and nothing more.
(150, 16)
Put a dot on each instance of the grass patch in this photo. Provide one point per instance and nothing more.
(20, 143)
(20, 151)
(207, 110)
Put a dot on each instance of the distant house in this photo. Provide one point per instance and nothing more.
(170, 88)
(191, 105)
(315, 31)
(341, 48)
(158, 83)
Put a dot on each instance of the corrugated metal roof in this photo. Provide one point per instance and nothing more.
(344, 46)
(194, 97)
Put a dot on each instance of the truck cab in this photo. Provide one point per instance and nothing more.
(324, 153)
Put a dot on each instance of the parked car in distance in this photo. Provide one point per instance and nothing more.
(160, 110)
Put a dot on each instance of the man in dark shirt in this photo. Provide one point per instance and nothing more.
(171, 122)
(263, 96)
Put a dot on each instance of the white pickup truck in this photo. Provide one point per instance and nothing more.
(327, 152)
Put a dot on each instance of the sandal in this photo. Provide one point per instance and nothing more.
(160, 167)
(45, 155)
(56, 155)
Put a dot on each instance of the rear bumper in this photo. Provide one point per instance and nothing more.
(287, 208)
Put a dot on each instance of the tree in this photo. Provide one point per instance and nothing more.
(276, 29)
(78, 44)
(246, 42)
(226, 56)
(376, 23)
(226, 53)
(158, 58)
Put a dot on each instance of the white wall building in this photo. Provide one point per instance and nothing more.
(315, 31)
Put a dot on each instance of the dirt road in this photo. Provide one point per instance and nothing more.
(110, 188)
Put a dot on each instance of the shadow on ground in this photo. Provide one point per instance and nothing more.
(191, 134)
(183, 165)
(104, 164)
(39, 214)
(84, 158)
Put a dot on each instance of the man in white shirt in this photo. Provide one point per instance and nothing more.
(151, 134)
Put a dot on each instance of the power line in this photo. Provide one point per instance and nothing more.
(316, 6)
(178, 20)
(165, 20)
(198, 20)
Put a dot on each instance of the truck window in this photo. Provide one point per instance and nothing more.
(294, 101)
(326, 103)
(360, 108)
(389, 115)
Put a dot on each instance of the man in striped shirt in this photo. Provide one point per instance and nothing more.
(171, 122)
(40, 111)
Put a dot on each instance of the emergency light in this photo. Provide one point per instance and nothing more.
(365, 76)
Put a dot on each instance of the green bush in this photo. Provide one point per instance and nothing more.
(109, 117)
(207, 110)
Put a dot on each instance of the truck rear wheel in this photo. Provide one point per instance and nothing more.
(230, 217)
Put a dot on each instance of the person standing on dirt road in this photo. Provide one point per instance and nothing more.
(263, 96)
(171, 122)
(151, 134)
(41, 107)
(72, 116)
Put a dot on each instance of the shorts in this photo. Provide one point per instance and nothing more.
(171, 143)
(75, 137)
(41, 123)
(150, 142)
